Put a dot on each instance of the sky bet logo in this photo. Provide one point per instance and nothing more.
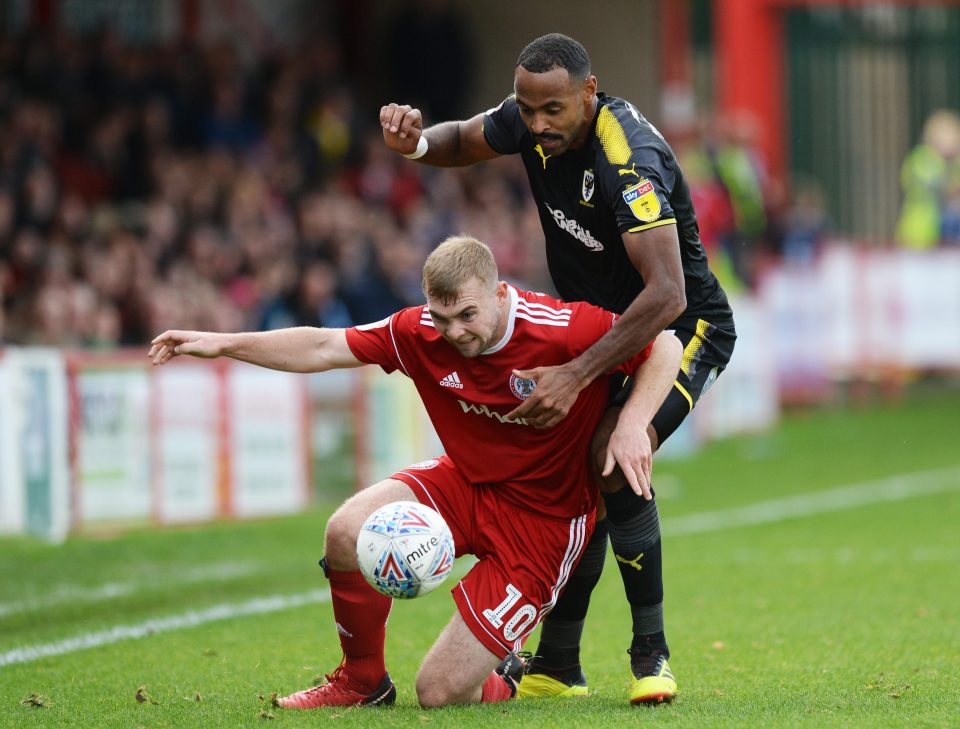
(423, 550)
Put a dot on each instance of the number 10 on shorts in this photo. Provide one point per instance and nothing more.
(521, 620)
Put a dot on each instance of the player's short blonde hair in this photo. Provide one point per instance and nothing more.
(453, 263)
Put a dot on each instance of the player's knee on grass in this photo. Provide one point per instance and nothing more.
(455, 668)
(442, 687)
(432, 694)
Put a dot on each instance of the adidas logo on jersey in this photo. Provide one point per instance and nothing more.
(452, 380)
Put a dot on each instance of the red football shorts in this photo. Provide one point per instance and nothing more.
(524, 559)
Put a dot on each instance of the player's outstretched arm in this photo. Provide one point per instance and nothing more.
(629, 445)
(298, 349)
(449, 144)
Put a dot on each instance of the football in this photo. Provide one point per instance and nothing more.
(405, 549)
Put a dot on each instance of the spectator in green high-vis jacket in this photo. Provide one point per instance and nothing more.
(930, 178)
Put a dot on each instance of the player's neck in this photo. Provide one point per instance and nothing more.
(503, 310)
(581, 138)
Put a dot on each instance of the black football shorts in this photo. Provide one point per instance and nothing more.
(707, 349)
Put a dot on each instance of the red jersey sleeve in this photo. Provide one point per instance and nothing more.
(588, 324)
(383, 342)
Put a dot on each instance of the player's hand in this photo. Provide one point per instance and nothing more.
(555, 392)
(174, 342)
(402, 127)
(630, 448)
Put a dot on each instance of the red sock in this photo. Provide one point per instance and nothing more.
(361, 614)
(495, 689)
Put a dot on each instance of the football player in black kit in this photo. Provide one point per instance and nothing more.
(621, 233)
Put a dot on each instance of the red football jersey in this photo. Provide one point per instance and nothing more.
(467, 398)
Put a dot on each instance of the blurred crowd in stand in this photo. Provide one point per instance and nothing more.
(748, 219)
(143, 188)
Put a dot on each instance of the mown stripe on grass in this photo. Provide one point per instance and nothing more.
(189, 619)
(893, 488)
(110, 590)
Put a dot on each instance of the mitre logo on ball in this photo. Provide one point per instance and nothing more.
(405, 549)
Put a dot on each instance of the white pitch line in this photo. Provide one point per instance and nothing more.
(193, 618)
(110, 590)
(894, 488)
(190, 619)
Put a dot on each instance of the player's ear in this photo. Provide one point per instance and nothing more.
(589, 88)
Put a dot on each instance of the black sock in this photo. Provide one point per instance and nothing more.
(647, 644)
(563, 627)
(634, 525)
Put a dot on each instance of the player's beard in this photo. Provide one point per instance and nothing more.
(471, 348)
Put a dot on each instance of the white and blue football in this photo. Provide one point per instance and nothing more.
(405, 549)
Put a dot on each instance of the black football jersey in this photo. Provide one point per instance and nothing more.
(624, 178)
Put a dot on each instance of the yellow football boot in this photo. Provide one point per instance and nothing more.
(542, 686)
(538, 683)
(653, 683)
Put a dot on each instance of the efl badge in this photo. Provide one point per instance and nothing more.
(520, 387)
(587, 185)
(643, 201)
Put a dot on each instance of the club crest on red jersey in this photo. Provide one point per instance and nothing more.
(521, 387)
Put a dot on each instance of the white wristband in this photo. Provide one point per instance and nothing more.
(421, 148)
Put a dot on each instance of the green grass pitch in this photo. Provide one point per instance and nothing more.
(812, 580)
